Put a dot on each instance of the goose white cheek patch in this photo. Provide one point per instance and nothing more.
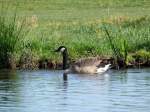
(62, 49)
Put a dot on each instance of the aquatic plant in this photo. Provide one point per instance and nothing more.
(118, 45)
(142, 56)
(11, 35)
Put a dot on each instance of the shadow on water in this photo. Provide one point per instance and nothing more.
(8, 87)
(8, 75)
(110, 75)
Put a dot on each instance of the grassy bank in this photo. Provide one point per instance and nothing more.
(79, 25)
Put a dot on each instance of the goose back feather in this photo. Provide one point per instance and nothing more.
(91, 61)
(86, 65)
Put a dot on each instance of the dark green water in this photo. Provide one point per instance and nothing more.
(45, 91)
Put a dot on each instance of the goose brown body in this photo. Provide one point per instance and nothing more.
(87, 65)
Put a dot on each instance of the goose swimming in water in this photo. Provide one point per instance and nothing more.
(82, 66)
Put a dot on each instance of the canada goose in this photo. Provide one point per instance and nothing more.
(88, 65)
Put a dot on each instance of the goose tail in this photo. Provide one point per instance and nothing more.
(103, 69)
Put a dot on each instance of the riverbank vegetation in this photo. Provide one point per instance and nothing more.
(113, 29)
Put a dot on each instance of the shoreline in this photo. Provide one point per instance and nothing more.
(54, 65)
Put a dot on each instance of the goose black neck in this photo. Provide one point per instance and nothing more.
(65, 59)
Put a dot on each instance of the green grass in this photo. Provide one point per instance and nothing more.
(80, 10)
(78, 24)
(10, 37)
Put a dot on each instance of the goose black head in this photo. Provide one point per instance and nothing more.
(61, 49)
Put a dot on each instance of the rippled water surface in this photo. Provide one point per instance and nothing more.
(45, 91)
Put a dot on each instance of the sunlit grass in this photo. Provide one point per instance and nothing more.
(88, 38)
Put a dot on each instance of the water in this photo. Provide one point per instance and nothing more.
(45, 91)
